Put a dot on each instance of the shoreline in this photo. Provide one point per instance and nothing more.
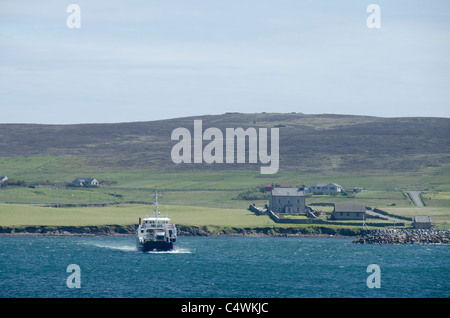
(212, 235)
(379, 236)
(183, 230)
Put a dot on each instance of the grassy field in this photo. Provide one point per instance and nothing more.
(205, 188)
(58, 170)
(214, 198)
(195, 198)
(437, 199)
(440, 216)
(17, 215)
(20, 215)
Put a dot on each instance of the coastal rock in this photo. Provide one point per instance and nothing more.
(404, 236)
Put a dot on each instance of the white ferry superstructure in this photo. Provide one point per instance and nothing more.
(156, 233)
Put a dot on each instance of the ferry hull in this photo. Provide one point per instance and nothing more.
(155, 246)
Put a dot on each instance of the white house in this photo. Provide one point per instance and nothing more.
(326, 188)
(3, 179)
(85, 181)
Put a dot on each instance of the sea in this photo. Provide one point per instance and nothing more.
(220, 267)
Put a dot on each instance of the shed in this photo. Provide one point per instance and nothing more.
(348, 211)
(422, 222)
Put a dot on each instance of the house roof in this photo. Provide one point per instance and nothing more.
(349, 207)
(84, 180)
(324, 184)
(287, 192)
(422, 219)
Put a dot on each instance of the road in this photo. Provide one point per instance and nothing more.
(415, 197)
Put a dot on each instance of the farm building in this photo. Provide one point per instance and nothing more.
(326, 188)
(287, 200)
(422, 222)
(85, 181)
(348, 211)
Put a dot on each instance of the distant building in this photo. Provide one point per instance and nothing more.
(348, 211)
(358, 189)
(3, 179)
(422, 222)
(85, 181)
(287, 200)
(326, 188)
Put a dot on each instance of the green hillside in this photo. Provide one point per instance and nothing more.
(385, 156)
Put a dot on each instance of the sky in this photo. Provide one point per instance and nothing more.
(143, 60)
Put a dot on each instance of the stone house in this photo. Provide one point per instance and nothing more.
(287, 200)
(348, 211)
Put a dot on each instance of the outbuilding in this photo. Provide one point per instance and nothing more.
(422, 222)
(348, 211)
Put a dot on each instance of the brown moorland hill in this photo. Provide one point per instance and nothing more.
(308, 143)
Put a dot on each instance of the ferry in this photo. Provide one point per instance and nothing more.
(156, 233)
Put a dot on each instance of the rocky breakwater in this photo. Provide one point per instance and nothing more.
(404, 236)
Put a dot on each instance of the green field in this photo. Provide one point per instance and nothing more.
(23, 215)
(17, 215)
(195, 198)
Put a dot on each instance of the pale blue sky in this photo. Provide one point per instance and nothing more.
(148, 60)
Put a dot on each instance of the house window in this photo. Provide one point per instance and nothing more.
(298, 201)
(279, 200)
(298, 209)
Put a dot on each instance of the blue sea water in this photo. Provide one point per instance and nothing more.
(251, 267)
